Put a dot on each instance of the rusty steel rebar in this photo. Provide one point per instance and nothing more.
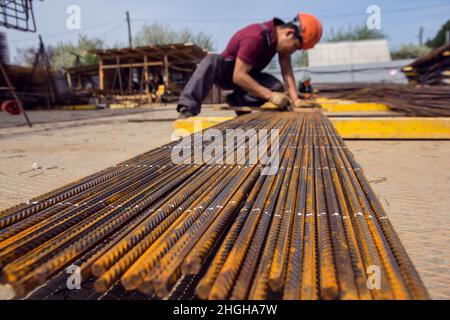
(412, 100)
(215, 230)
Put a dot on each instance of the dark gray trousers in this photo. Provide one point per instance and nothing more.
(213, 69)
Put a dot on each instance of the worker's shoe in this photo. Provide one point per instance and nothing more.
(236, 100)
(185, 113)
(241, 113)
(231, 100)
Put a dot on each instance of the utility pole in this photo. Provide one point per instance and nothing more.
(447, 36)
(421, 29)
(352, 77)
(130, 38)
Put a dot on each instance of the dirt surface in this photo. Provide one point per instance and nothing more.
(411, 178)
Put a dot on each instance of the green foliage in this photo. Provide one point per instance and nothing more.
(355, 33)
(68, 51)
(64, 54)
(439, 39)
(410, 51)
(300, 59)
(157, 33)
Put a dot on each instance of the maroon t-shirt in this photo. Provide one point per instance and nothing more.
(252, 45)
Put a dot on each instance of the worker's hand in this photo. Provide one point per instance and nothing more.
(279, 99)
(300, 103)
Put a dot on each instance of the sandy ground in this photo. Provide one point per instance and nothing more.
(411, 178)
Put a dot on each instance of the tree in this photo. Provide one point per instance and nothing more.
(157, 33)
(300, 59)
(410, 51)
(203, 41)
(64, 54)
(439, 39)
(355, 33)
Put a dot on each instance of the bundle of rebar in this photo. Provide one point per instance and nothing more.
(426, 101)
(149, 227)
(432, 68)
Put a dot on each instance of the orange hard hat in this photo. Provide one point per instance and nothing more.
(310, 29)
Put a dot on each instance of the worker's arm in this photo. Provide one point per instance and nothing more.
(242, 79)
(288, 76)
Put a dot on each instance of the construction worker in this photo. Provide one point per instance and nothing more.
(305, 87)
(239, 67)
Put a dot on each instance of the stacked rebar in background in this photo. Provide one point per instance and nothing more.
(432, 68)
(426, 101)
(150, 228)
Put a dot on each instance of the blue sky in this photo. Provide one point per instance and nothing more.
(400, 20)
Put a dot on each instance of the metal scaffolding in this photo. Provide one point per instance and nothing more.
(18, 15)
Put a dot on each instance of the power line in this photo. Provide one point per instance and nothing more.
(215, 20)
(111, 30)
(349, 14)
(56, 34)
(388, 11)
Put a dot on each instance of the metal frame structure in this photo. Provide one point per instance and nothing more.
(18, 15)
(118, 67)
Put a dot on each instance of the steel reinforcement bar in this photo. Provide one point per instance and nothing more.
(313, 229)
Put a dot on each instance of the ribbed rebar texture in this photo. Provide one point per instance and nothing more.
(150, 228)
(421, 100)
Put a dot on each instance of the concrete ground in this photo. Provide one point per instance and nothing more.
(67, 150)
(46, 116)
(411, 178)
(412, 181)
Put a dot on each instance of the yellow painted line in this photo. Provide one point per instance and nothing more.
(351, 128)
(339, 105)
(79, 107)
(354, 106)
(188, 126)
(327, 100)
(117, 106)
(393, 128)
